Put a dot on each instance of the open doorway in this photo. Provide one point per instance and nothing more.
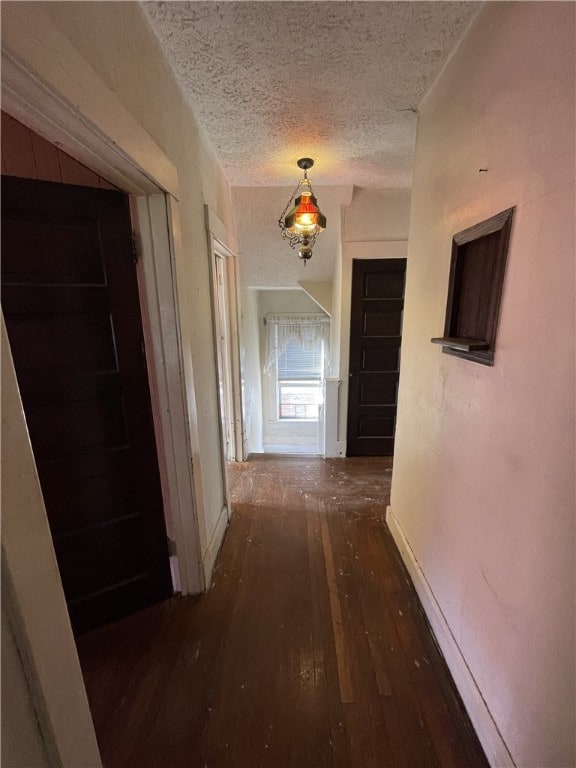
(71, 305)
(113, 145)
(227, 347)
(293, 337)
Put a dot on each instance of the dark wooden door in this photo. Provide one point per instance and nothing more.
(375, 339)
(70, 301)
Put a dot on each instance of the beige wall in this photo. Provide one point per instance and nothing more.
(483, 484)
(22, 742)
(118, 44)
(251, 376)
(376, 214)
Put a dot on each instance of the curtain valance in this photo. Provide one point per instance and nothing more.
(308, 329)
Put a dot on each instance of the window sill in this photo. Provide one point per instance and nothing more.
(294, 421)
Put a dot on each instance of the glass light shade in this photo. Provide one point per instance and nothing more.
(305, 218)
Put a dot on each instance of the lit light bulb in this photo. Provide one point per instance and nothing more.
(306, 216)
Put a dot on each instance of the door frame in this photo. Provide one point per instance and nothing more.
(217, 249)
(140, 168)
(223, 334)
(355, 337)
(375, 249)
(50, 88)
(154, 217)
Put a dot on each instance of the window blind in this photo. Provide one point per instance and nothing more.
(297, 363)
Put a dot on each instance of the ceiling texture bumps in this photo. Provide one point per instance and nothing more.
(270, 82)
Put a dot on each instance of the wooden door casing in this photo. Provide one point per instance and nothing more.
(72, 311)
(375, 341)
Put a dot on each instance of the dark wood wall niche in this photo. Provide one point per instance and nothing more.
(475, 289)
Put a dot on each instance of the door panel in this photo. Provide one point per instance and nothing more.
(66, 251)
(70, 301)
(389, 285)
(375, 340)
(378, 393)
(386, 322)
(378, 357)
(376, 426)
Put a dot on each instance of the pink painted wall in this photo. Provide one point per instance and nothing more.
(483, 486)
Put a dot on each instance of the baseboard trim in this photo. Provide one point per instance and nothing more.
(306, 449)
(486, 729)
(213, 548)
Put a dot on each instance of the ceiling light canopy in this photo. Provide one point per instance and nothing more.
(303, 222)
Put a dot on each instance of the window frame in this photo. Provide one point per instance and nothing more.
(302, 381)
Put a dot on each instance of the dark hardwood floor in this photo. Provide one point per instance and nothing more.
(309, 651)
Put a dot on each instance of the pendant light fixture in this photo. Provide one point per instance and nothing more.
(303, 222)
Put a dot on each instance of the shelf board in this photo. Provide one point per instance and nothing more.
(463, 345)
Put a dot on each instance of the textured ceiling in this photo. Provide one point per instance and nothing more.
(266, 260)
(273, 81)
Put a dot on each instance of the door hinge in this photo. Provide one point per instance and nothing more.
(135, 250)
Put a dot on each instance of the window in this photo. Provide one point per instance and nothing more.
(296, 363)
(299, 381)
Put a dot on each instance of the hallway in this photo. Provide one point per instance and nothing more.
(308, 651)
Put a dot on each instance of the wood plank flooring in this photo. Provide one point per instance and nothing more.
(309, 651)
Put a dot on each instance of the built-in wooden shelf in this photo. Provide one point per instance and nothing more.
(463, 345)
(475, 289)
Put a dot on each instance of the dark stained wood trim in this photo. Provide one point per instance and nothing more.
(464, 345)
(477, 301)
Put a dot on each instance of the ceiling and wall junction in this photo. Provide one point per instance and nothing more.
(271, 82)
